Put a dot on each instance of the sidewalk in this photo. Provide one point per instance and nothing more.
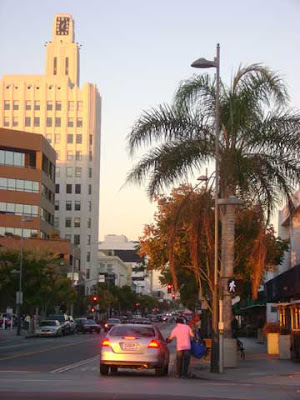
(11, 335)
(258, 367)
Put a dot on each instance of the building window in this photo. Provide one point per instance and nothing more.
(77, 188)
(36, 121)
(90, 156)
(67, 66)
(77, 239)
(37, 106)
(77, 205)
(70, 122)
(16, 105)
(78, 156)
(90, 189)
(56, 205)
(69, 205)
(88, 275)
(69, 155)
(68, 188)
(91, 140)
(56, 222)
(79, 123)
(78, 172)
(49, 121)
(88, 240)
(54, 65)
(68, 222)
(90, 172)
(57, 139)
(90, 206)
(6, 105)
(79, 139)
(27, 121)
(79, 105)
(68, 237)
(69, 172)
(57, 172)
(88, 256)
(49, 106)
(77, 222)
(15, 121)
(48, 137)
(57, 188)
(28, 105)
(57, 122)
(69, 139)
(6, 121)
(89, 222)
(58, 105)
(71, 106)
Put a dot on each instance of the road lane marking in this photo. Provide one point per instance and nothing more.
(72, 366)
(30, 353)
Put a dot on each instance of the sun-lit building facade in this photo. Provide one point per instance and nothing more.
(69, 117)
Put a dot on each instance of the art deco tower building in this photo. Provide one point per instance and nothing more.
(69, 116)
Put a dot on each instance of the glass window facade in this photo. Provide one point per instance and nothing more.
(19, 185)
(12, 158)
(19, 209)
(17, 231)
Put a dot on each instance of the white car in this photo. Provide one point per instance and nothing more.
(50, 328)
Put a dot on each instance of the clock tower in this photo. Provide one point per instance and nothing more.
(62, 57)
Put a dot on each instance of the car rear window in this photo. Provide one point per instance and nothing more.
(48, 323)
(138, 331)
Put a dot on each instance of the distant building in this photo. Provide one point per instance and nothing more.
(27, 185)
(119, 247)
(69, 117)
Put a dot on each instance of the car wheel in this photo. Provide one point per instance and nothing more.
(159, 371)
(104, 369)
(114, 369)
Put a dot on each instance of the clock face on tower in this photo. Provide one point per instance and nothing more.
(62, 25)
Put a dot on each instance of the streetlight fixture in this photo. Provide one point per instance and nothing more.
(203, 63)
(19, 297)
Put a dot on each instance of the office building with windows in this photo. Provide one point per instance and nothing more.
(69, 117)
(27, 185)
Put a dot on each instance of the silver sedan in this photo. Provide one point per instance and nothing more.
(50, 328)
(135, 346)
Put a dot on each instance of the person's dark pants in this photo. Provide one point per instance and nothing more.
(183, 362)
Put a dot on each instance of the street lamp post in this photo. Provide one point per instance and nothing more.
(203, 63)
(19, 297)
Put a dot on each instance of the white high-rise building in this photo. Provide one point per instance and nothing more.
(69, 116)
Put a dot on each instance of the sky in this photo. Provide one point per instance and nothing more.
(137, 52)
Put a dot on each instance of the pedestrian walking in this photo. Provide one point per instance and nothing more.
(183, 334)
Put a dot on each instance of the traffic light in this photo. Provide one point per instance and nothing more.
(95, 299)
(173, 296)
(93, 309)
(137, 304)
(169, 287)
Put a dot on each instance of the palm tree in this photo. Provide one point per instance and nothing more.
(259, 145)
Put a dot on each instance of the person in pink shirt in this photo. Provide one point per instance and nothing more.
(183, 334)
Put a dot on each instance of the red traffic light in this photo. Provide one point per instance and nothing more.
(93, 309)
(95, 298)
(169, 287)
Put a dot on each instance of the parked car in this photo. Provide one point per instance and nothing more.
(50, 328)
(134, 346)
(110, 323)
(79, 324)
(89, 325)
(63, 320)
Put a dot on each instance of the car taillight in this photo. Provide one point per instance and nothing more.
(105, 342)
(153, 344)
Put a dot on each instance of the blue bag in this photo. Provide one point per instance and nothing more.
(198, 349)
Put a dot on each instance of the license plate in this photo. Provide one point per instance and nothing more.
(129, 346)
